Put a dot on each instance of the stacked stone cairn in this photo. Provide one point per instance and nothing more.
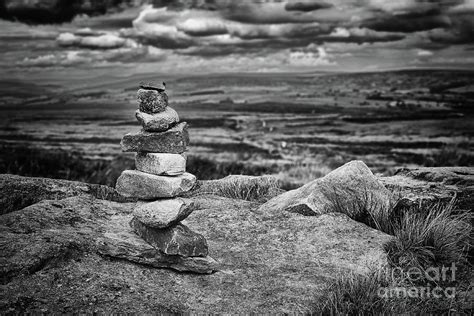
(160, 177)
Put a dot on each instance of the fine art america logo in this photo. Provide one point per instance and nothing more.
(404, 282)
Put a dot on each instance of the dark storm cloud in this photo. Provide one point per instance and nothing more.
(461, 30)
(407, 23)
(306, 6)
(285, 29)
(448, 21)
(248, 20)
(263, 13)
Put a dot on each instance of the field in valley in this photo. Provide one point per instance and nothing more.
(295, 126)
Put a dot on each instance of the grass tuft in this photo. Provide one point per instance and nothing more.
(450, 155)
(356, 294)
(425, 236)
(367, 208)
(436, 234)
(258, 189)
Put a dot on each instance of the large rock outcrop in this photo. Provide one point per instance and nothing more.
(83, 250)
(430, 184)
(52, 229)
(18, 192)
(79, 253)
(346, 187)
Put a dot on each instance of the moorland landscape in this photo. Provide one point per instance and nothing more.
(328, 170)
(295, 126)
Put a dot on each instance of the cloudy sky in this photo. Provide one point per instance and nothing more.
(263, 35)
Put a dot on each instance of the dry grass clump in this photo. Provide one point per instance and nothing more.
(356, 294)
(249, 188)
(378, 293)
(367, 208)
(450, 155)
(436, 234)
(425, 236)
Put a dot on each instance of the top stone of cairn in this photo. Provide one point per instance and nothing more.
(152, 97)
(153, 86)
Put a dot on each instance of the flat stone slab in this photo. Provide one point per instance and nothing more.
(161, 163)
(425, 185)
(158, 122)
(164, 213)
(173, 141)
(175, 240)
(120, 241)
(149, 85)
(145, 186)
(152, 101)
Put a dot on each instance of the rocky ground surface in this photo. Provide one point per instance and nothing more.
(416, 185)
(68, 246)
